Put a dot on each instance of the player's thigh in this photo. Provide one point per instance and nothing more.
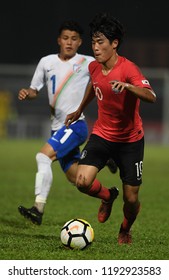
(72, 172)
(95, 153)
(48, 151)
(63, 141)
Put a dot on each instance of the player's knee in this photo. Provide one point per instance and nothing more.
(130, 194)
(71, 173)
(40, 157)
(71, 178)
(82, 184)
(131, 198)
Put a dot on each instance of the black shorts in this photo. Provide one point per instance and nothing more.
(127, 156)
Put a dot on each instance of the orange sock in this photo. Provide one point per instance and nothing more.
(99, 191)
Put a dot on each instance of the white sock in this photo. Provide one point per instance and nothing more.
(44, 178)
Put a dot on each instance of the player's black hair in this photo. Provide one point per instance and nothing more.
(107, 25)
(72, 26)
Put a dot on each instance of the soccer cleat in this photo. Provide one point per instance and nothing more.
(111, 165)
(31, 214)
(124, 237)
(106, 206)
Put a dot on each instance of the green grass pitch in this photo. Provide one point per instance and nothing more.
(21, 240)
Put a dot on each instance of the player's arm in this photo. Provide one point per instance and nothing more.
(88, 97)
(144, 94)
(27, 94)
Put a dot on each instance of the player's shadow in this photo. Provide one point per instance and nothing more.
(20, 227)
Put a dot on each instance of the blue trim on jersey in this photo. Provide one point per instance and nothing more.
(66, 142)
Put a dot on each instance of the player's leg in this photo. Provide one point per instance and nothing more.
(43, 182)
(131, 174)
(69, 153)
(131, 209)
(112, 166)
(87, 183)
(69, 163)
(61, 143)
(44, 176)
(71, 172)
(93, 158)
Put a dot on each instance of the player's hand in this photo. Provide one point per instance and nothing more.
(23, 94)
(118, 86)
(72, 117)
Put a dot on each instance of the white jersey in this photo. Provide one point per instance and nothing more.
(66, 82)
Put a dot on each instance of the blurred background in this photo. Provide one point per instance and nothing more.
(28, 32)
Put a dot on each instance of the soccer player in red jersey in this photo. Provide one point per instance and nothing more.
(118, 85)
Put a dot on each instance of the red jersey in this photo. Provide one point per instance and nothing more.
(118, 112)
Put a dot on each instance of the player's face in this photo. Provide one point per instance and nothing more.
(102, 48)
(69, 42)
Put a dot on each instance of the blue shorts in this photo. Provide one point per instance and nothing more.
(66, 142)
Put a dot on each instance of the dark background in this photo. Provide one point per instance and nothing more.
(28, 31)
(29, 28)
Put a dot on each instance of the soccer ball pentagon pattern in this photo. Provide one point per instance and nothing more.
(77, 234)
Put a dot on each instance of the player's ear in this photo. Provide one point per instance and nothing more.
(115, 43)
(58, 41)
(80, 42)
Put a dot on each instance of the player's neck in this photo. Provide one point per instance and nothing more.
(65, 57)
(109, 65)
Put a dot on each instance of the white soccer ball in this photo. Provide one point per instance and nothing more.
(77, 234)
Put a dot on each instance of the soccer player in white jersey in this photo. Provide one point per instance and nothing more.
(66, 77)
